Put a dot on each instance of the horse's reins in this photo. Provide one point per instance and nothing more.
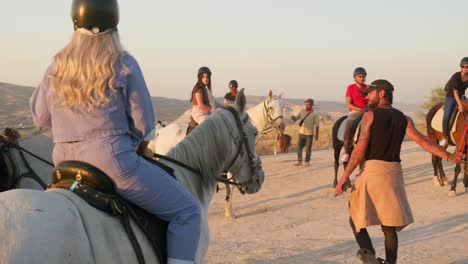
(239, 124)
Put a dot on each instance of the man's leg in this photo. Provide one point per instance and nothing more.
(300, 146)
(449, 105)
(391, 243)
(362, 237)
(308, 145)
(347, 135)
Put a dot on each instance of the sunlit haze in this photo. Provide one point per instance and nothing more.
(301, 48)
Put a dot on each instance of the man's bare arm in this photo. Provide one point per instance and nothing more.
(350, 105)
(424, 141)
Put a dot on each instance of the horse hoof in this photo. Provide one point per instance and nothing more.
(445, 182)
(230, 216)
(436, 182)
(452, 193)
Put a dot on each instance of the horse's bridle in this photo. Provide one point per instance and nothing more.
(254, 166)
(31, 173)
(271, 124)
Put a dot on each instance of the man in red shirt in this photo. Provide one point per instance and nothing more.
(357, 104)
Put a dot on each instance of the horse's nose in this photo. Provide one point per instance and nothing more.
(282, 125)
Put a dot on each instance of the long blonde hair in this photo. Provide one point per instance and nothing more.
(84, 70)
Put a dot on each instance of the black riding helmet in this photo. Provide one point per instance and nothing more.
(95, 15)
(233, 83)
(464, 61)
(204, 70)
(359, 70)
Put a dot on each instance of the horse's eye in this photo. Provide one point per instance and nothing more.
(256, 133)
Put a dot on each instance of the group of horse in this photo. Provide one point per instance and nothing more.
(457, 123)
(57, 226)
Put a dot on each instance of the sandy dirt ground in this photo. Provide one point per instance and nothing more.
(295, 218)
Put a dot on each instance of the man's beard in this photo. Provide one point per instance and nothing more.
(372, 105)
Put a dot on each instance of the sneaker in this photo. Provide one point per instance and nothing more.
(345, 157)
(299, 163)
(443, 142)
(382, 261)
(367, 256)
(306, 164)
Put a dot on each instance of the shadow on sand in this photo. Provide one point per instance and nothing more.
(444, 228)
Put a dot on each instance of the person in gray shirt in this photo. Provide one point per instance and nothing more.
(308, 120)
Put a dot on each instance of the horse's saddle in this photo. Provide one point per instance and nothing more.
(354, 130)
(437, 120)
(97, 189)
(191, 125)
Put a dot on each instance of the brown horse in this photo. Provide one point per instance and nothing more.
(439, 175)
(284, 142)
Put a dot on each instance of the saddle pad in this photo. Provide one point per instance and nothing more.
(436, 122)
(108, 239)
(341, 130)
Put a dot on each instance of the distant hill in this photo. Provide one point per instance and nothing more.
(14, 107)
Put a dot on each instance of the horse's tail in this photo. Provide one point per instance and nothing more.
(337, 144)
(430, 115)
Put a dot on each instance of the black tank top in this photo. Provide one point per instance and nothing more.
(386, 135)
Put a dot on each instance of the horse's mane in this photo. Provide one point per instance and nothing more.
(205, 148)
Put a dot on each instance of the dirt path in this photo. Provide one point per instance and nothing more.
(296, 219)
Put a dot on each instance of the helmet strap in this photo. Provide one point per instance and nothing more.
(95, 31)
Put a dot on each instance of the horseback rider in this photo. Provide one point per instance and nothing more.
(94, 98)
(378, 196)
(357, 104)
(230, 98)
(455, 88)
(308, 120)
(201, 92)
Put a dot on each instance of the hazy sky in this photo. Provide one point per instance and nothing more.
(301, 48)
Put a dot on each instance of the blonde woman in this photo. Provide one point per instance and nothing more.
(95, 99)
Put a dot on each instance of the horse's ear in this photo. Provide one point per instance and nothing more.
(270, 93)
(241, 101)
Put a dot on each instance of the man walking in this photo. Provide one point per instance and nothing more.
(378, 196)
(308, 120)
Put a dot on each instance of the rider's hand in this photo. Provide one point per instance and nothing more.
(339, 187)
(455, 157)
(460, 108)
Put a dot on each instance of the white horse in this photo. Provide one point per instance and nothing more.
(56, 226)
(266, 116)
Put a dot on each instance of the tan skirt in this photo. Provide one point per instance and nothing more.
(379, 197)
